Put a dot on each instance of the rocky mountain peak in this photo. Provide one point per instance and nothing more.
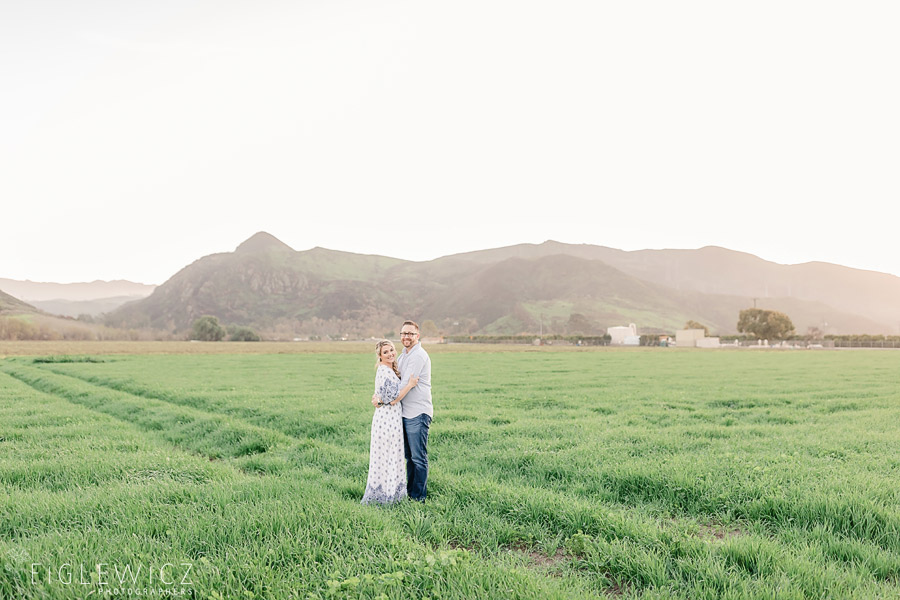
(262, 242)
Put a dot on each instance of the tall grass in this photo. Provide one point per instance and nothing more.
(644, 474)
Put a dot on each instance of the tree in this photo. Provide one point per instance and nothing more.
(207, 329)
(695, 325)
(765, 324)
(242, 334)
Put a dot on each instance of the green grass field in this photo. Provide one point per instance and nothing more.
(649, 473)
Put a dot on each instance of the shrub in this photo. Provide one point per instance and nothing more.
(243, 334)
(207, 329)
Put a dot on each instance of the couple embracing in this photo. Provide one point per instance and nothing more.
(403, 413)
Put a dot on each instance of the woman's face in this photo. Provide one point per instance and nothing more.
(388, 353)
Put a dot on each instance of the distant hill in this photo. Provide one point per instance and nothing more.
(22, 321)
(9, 304)
(32, 291)
(713, 270)
(561, 288)
(75, 308)
(74, 299)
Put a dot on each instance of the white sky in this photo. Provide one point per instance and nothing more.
(140, 136)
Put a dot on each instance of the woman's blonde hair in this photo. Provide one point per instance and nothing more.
(378, 348)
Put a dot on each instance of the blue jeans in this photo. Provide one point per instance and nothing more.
(415, 444)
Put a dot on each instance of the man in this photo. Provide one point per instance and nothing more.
(416, 408)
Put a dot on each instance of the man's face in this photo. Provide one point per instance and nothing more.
(408, 336)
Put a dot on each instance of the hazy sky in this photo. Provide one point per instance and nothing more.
(140, 136)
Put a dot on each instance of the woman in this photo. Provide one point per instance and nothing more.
(387, 473)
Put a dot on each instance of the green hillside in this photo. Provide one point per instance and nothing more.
(553, 287)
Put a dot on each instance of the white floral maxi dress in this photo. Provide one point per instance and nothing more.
(387, 469)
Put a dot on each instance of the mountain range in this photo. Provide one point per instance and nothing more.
(550, 287)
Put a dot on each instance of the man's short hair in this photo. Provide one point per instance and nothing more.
(413, 323)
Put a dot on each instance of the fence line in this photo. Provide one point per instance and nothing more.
(865, 344)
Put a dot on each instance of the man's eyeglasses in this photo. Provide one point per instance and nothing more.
(409, 333)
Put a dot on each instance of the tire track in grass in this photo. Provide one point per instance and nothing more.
(213, 436)
(253, 448)
(49, 443)
(334, 465)
(198, 402)
(299, 450)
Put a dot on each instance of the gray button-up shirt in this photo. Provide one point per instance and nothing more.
(417, 401)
